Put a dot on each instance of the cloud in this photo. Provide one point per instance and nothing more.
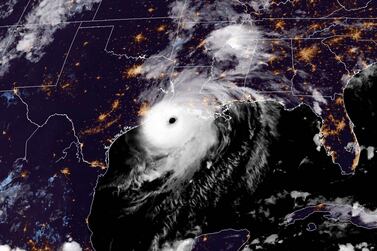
(193, 20)
(272, 239)
(6, 9)
(194, 103)
(342, 209)
(182, 245)
(317, 141)
(318, 100)
(318, 96)
(5, 248)
(260, 5)
(71, 246)
(38, 29)
(8, 248)
(370, 151)
(231, 40)
(26, 43)
(299, 195)
(196, 98)
(237, 43)
(346, 247)
(365, 216)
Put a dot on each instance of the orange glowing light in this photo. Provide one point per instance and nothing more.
(161, 28)
(100, 128)
(338, 58)
(320, 206)
(352, 50)
(355, 34)
(97, 163)
(24, 174)
(65, 171)
(314, 26)
(115, 104)
(65, 85)
(307, 54)
(134, 71)
(280, 25)
(369, 24)
(144, 108)
(139, 38)
(102, 117)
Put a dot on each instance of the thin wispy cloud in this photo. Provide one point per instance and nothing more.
(6, 9)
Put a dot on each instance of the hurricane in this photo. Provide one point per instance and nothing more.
(190, 154)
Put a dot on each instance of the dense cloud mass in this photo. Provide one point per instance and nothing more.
(149, 184)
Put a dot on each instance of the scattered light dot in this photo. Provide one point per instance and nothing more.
(65, 171)
(102, 117)
(139, 38)
(280, 24)
(115, 104)
(24, 174)
(161, 28)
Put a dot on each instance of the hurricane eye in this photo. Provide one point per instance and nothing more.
(172, 120)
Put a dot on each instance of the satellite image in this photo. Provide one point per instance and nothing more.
(188, 125)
